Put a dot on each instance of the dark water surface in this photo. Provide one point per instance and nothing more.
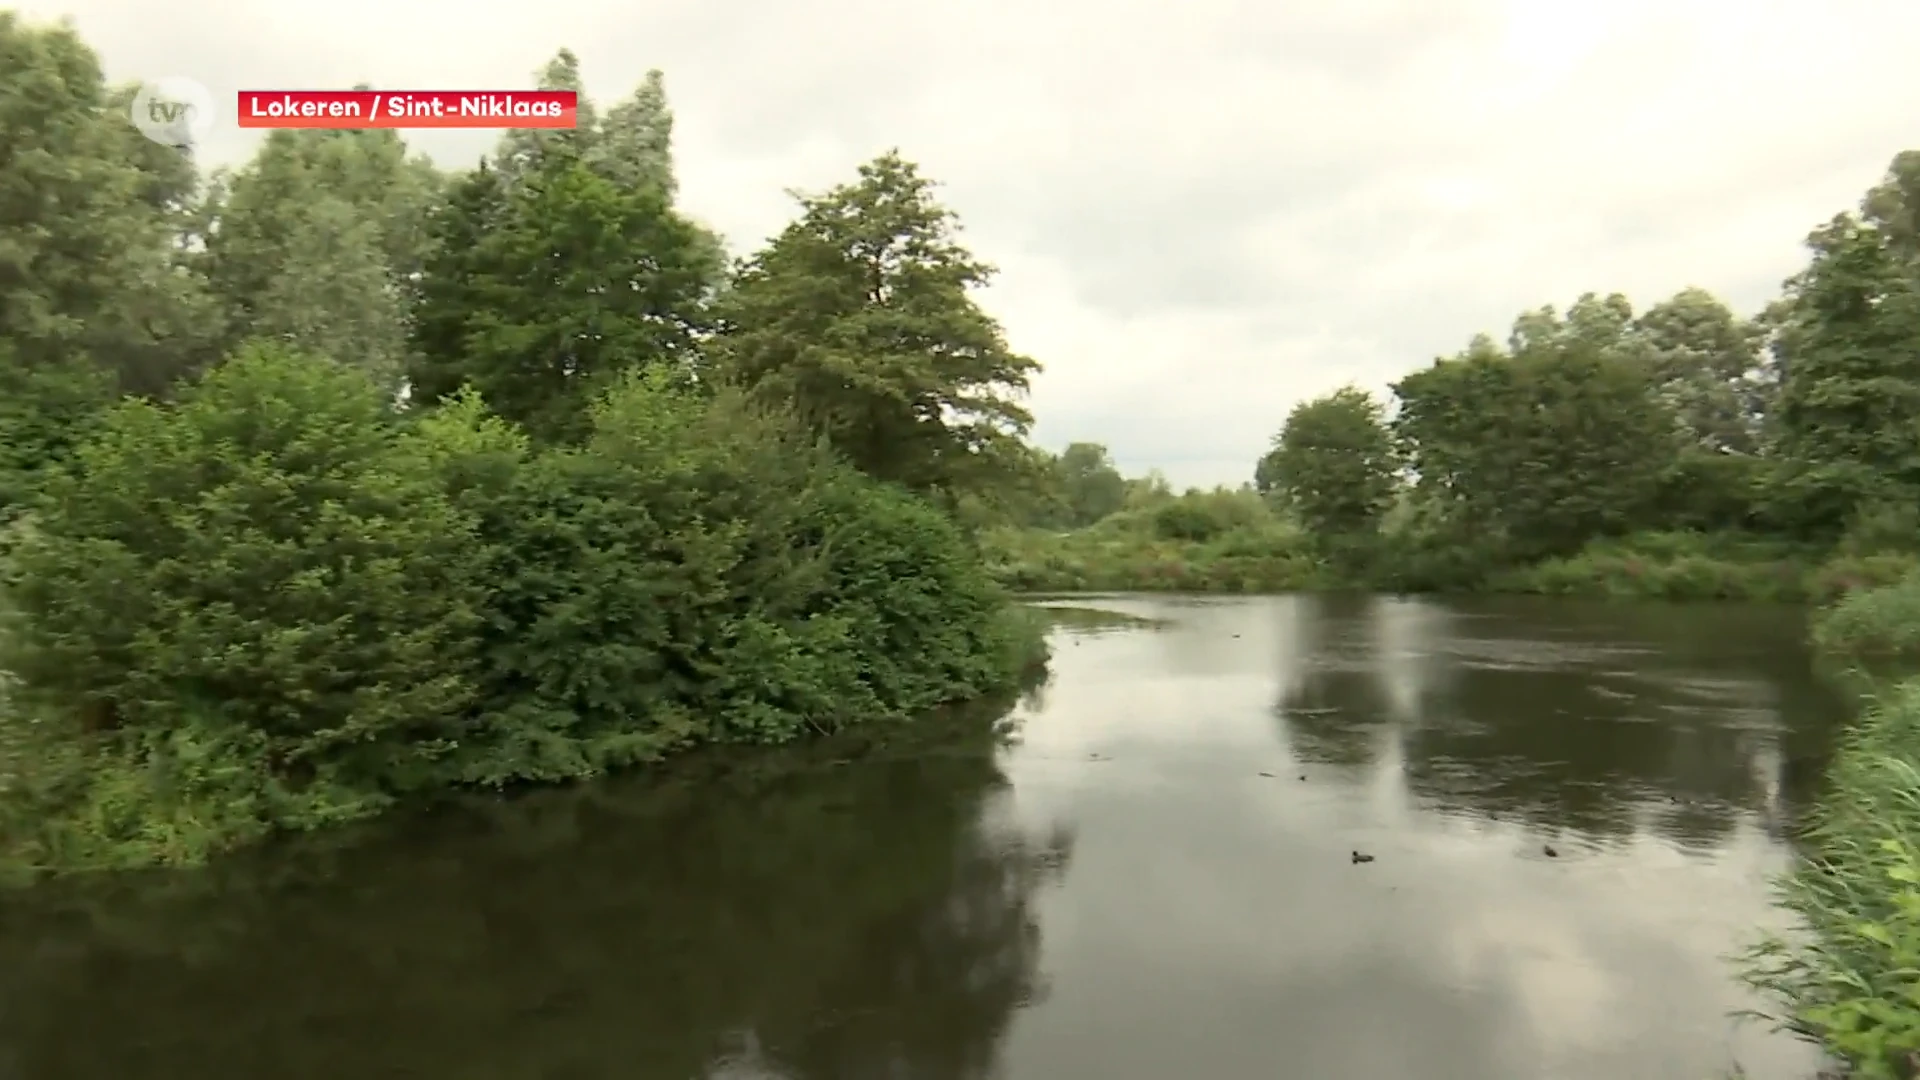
(1152, 880)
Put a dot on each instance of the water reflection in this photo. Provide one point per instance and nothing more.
(1607, 725)
(823, 920)
(1174, 824)
(1221, 772)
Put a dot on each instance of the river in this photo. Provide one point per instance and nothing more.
(1572, 812)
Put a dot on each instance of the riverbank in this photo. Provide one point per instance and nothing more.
(1848, 981)
(275, 606)
(1126, 554)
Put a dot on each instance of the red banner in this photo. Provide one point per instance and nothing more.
(409, 108)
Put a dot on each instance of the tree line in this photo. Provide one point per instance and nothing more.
(339, 477)
(1801, 423)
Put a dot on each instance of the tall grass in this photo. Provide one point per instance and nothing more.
(1850, 978)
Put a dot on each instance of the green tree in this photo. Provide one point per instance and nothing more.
(319, 243)
(634, 149)
(1893, 206)
(91, 221)
(1705, 361)
(1089, 484)
(1848, 410)
(635, 144)
(525, 153)
(334, 295)
(538, 294)
(859, 316)
(1545, 449)
(44, 412)
(1333, 464)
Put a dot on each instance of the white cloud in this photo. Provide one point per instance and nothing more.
(1206, 211)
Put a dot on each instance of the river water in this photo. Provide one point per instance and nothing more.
(1148, 873)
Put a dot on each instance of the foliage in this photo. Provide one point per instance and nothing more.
(320, 239)
(1849, 402)
(1557, 444)
(539, 295)
(1335, 467)
(859, 316)
(1209, 542)
(1667, 566)
(271, 554)
(699, 571)
(1091, 488)
(1849, 979)
(1876, 626)
(44, 411)
(91, 215)
(276, 604)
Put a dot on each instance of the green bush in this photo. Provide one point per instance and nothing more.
(1877, 627)
(273, 554)
(276, 605)
(1844, 575)
(702, 571)
(1668, 566)
(1848, 979)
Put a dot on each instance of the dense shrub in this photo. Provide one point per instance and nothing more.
(273, 554)
(275, 604)
(1877, 627)
(1668, 566)
(1127, 552)
(701, 571)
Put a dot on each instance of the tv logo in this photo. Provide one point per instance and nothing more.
(173, 112)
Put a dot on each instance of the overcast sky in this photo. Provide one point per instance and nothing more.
(1204, 211)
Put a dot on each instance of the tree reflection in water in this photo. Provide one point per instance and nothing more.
(1635, 720)
(856, 909)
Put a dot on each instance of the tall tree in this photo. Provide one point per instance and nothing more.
(859, 315)
(1334, 465)
(335, 295)
(1547, 448)
(635, 144)
(1848, 412)
(1089, 484)
(523, 152)
(319, 242)
(1705, 362)
(539, 293)
(1893, 206)
(92, 267)
(634, 148)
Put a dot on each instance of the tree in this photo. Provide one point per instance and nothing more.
(1334, 464)
(1090, 486)
(523, 153)
(334, 295)
(1705, 362)
(635, 144)
(634, 149)
(92, 268)
(1545, 449)
(859, 316)
(1848, 412)
(539, 293)
(319, 243)
(270, 554)
(1893, 206)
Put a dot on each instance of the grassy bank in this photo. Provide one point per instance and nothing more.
(1135, 551)
(276, 606)
(1851, 979)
